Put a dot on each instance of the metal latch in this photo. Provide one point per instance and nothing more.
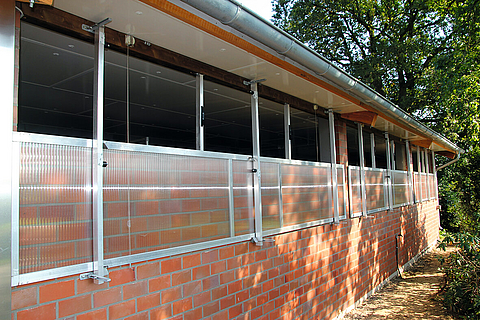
(95, 277)
(92, 29)
(259, 242)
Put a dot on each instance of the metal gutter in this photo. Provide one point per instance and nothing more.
(233, 14)
(449, 163)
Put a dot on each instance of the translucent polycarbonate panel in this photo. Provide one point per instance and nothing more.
(375, 189)
(243, 197)
(154, 201)
(306, 193)
(342, 194)
(55, 206)
(270, 195)
(401, 188)
(424, 182)
(433, 186)
(355, 191)
(418, 186)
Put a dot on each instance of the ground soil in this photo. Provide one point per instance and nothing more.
(415, 296)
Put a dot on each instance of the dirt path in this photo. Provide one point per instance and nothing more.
(413, 297)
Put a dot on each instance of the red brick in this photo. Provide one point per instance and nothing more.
(222, 315)
(24, 298)
(171, 294)
(58, 290)
(235, 311)
(201, 299)
(227, 302)
(226, 277)
(75, 305)
(218, 267)
(163, 312)
(45, 312)
(211, 282)
(181, 277)
(210, 256)
(191, 260)
(121, 310)
(121, 276)
(135, 289)
(210, 309)
(148, 270)
(171, 265)
(194, 314)
(192, 288)
(182, 306)
(226, 252)
(105, 297)
(138, 316)
(100, 314)
(148, 302)
(219, 292)
(159, 283)
(201, 272)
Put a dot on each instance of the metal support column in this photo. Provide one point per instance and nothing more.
(200, 131)
(427, 171)
(258, 239)
(99, 271)
(409, 171)
(435, 175)
(362, 169)
(389, 172)
(333, 160)
(7, 85)
(286, 129)
(419, 174)
(372, 150)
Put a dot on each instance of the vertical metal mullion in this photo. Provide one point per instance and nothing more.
(280, 194)
(231, 207)
(256, 163)
(427, 171)
(15, 213)
(372, 150)
(435, 182)
(97, 154)
(409, 171)
(200, 114)
(286, 129)
(362, 169)
(389, 172)
(333, 160)
(419, 175)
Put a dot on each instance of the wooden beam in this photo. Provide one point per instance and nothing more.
(425, 143)
(447, 154)
(365, 117)
(47, 2)
(64, 22)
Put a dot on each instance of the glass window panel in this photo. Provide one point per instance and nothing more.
(380, 152)
(400, 156)
(375, 189)
(228, 119)
(352, 146)
(367, 149)
(355, 191)
(55, 222)
(162, 103)
(56, 83)
(400, 188)
(243, 197)
(303, 135)
(272, 135)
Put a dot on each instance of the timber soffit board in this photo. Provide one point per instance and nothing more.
(217, 32)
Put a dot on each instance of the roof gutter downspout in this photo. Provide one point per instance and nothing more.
(449, 163)
(233, 14)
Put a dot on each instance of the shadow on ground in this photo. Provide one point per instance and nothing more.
(413, 297)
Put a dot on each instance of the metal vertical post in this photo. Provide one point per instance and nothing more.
(7, 85)
(435, 175)
(333, 160)
(427, 171)
(419, 174)
(390, 172)
(286, 129)
(280, 195)
(200, 121)
(231, 206)
(99, 271)
(372, 150)
(256, 163)
(362, 169)
(409, 171)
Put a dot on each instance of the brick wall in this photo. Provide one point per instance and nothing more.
(311, 273)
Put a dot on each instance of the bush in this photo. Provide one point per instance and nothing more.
(461, 291)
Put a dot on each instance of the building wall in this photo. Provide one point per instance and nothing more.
(313, 273)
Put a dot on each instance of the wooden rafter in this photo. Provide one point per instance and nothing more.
(365, 117)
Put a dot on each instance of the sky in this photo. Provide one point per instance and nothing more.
(261, 7)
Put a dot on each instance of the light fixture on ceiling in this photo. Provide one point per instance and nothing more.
(278, 73)
(215, 89)
(159, 72)
(223, 49)
(71, 46)
(139, 12)
(56, 54)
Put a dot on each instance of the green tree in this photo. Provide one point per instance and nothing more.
(390, 45)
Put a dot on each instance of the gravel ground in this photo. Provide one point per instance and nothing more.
(415, 296)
